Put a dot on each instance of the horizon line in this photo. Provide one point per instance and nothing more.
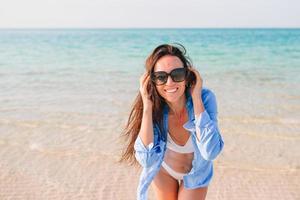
(120, 28)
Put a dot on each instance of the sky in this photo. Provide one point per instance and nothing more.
(149, 13)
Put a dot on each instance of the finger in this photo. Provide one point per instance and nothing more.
(194, 69)
(144, 82)
(142, 79)
(197, 73)
(146, 79)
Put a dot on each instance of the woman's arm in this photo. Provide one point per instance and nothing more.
(146, 152)
(198, 105)
(146, 131)
(209, 139)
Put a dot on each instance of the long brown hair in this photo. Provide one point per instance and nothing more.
(133, 126)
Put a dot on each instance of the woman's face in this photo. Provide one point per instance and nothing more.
(171, 91)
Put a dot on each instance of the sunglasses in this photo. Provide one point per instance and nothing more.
(161, 77)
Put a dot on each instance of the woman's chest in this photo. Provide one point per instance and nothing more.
(176, 131)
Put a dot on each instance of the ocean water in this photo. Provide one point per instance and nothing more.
(70, 91)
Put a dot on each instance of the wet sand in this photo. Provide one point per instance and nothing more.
(63, 174)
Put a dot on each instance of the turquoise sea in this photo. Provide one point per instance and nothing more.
(71, 89)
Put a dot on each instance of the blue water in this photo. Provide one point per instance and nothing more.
(88, 57)
(125, 50)
(84, 81)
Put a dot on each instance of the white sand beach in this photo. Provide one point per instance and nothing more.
(35, 173)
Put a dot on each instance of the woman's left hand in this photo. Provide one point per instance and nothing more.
(197, 87)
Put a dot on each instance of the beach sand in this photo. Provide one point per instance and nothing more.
(74, 156)
(36, 173)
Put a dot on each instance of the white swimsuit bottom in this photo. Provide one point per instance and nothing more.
(187, 148)
(177, 175)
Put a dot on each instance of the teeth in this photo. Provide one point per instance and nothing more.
(171, 90)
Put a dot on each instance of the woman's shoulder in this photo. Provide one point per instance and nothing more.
(207, 94)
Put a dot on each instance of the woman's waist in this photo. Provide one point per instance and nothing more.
(179, 162)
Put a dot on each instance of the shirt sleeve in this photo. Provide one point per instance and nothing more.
(147, 155)
(209, 139)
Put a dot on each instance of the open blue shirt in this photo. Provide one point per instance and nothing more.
(207, 147)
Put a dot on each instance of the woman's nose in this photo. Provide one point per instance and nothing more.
(169, 81)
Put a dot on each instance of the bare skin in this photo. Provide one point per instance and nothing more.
(180, 162)
(164, 185)
(168, 188)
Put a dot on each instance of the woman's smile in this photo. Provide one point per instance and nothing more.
(171, 90)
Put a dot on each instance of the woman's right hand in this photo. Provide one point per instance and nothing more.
(144, 81)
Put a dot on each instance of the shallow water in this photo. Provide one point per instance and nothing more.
(70, 91)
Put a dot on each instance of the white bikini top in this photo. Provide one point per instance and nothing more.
(187, 148)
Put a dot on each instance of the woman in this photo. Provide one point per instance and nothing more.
(172, 129)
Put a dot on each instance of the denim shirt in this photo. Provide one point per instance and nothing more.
(207, 147)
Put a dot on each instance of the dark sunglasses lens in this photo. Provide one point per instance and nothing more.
(160, 78)
(178, 75)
